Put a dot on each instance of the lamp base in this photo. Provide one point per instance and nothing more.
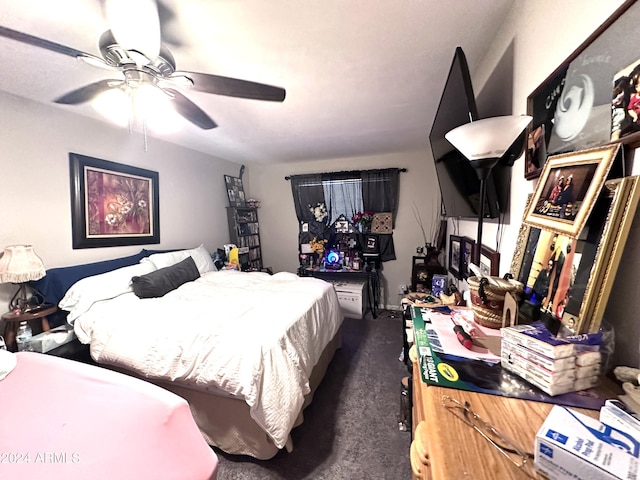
(21, 303)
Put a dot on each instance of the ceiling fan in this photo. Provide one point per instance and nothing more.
(133, 48)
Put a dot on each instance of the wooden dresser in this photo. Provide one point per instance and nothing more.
(444, 447)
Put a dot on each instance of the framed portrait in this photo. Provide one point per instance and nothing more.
(468, 246)
(489, 261)
(235, 191)
(455, 256)
(571, 278)
(112, 204)
(568, 188)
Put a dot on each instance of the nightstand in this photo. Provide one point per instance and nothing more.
(12, 321)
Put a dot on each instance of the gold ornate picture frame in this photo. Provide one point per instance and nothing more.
(568, 189)
(584, 282)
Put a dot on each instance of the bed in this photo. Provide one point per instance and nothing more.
(86, 422)
(246, 350)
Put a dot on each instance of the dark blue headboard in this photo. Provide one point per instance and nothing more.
(58, 280)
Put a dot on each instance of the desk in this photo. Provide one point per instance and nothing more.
(368, 274)
(444, 447)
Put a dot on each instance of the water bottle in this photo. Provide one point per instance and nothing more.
(23, 337)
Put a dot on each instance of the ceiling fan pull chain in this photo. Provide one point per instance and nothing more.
(144, 131)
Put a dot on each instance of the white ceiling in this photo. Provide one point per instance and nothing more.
(363, 77)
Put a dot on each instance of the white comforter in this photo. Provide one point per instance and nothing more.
(253, 335)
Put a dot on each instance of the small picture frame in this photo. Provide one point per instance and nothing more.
(568, 189)
(235, 191)
(455, 256)
(489, 261)
(466, 256)
(371, 244)
(342, 226)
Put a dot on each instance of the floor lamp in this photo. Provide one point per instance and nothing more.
(484, 143)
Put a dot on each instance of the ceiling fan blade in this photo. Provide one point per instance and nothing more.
(40, 42)
(86, 93)
(135, 25)
(169, 31)
(234, 87)
(190, 110)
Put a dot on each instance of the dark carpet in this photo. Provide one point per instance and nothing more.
(350, 430)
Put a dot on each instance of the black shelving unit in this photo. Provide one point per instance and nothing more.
(244, 232)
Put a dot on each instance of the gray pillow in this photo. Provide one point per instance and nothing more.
(163, 280)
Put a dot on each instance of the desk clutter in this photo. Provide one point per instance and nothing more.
(524, 361)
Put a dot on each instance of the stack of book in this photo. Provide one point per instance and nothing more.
(554, 365)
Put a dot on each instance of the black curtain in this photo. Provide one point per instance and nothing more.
(307, 193)
(380, 192)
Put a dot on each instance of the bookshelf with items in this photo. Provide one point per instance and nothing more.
(244, 232)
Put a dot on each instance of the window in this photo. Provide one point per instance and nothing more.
(343, 197)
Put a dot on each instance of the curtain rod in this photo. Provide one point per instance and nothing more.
(288, 177)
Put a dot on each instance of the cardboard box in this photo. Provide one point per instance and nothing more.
(552, 389)
(537, 338)
(553, 364)
(617, 415)
(571, 445)
(54, 338)
(548, 376)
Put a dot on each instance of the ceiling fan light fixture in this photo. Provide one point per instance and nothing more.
(115, 105)
(135, 25)
(154, 107)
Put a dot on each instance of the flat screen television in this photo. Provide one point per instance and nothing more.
(459, 184)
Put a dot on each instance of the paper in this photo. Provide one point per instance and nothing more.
(441, 330)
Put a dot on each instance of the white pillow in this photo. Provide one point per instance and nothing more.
(200, 256)
(89, 290)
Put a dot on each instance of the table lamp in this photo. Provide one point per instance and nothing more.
(20, 264)
(484, 143)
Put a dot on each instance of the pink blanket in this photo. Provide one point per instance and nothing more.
(61, 419)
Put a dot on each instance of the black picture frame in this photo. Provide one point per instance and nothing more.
(455, 256)
(235, 191)
(588, 72)
(466, 255)
(112, 204)
(489, 261)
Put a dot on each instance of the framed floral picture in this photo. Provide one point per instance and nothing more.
(112, 204)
